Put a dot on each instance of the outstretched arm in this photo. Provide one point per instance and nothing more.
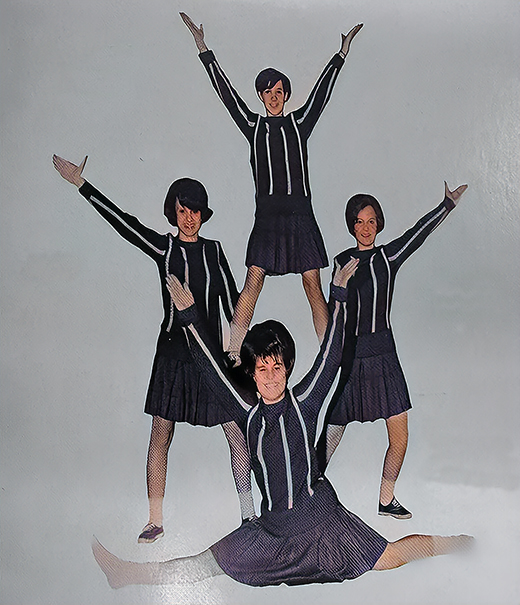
(244, 118)
(236, 400)
(197, 32)
(69, 171)
(149, 241)
(347, 39)
(307, 115)
(313, 389)
(403, 247)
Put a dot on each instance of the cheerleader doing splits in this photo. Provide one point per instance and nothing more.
(304, 534)
(285, 237)
(177, 391)
(372, 383)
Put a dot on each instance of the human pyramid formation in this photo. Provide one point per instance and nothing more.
(303, 533)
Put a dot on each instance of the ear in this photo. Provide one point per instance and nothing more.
(285, 97)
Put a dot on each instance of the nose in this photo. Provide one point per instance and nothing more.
(270, 374)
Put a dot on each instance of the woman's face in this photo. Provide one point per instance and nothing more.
(270, 378)
(188, 221)
(365, 228)
(274, 99)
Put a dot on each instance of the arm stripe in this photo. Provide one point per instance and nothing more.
(94, 199)
(325, 354)
(439, 215)
(217, 369)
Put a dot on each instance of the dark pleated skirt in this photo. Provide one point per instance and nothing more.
(178, 392)
(376, 387)
(341, 547)
(286, 244)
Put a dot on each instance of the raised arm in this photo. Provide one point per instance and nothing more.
(401, 248)
(313, 389)
(244, 118)
(129, 227)
(309, 113)
(208, 358)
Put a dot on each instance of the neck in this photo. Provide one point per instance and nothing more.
(188, 238)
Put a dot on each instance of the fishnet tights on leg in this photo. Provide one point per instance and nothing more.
(240, 466)
(156, 467)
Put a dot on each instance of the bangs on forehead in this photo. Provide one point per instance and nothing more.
(276, 357)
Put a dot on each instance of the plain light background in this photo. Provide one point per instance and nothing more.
(429, 92)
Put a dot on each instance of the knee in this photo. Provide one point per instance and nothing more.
(162, 432)
(255, 278)
(312, 279)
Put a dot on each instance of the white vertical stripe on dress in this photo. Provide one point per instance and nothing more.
(186, 267)
(167, 267)
(225, 280)
(252, 412)
(254, 150)
(288, 469)
(306, 442)
(374, 303)
(287, 167)
(387, 289)
(268, 151)
(304, 167)
(262, 464)
(358, 312)
(207, 277)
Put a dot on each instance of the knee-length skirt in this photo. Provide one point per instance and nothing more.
(375, 387)
(341, 547)
(178, 392)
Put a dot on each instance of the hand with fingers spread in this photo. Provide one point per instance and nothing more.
(456, 194)
(181, 294)
(343, 274)
(197, 32)
(347, 39)
(69, 171)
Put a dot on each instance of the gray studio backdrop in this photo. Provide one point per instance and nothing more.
(429, 92)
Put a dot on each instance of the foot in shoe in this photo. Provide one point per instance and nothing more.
(394, 509)
(150, 534)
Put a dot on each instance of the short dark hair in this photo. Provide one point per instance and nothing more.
(354, 206)
(268, 339)
(192, 194)
(267, 78)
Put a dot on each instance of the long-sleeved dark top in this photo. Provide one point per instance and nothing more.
(372, 286)
(278, 144)
(280, 436)
(202, 264)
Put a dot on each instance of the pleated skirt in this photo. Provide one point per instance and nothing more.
(341, 547)
(376, 386)
(286, 244)
(178, 392)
